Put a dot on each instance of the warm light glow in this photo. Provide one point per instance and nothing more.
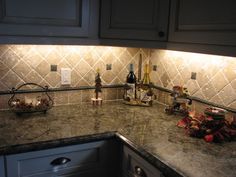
(204, 61)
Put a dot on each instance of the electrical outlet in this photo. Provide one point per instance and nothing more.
(193, 75)
(154, 67)
(53, 68)
(65, 76)
(108, 66)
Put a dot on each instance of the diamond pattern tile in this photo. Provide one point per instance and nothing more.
(216, 75)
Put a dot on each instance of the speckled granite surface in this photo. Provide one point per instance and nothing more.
(149, 129)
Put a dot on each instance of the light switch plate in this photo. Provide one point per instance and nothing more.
(65, 76)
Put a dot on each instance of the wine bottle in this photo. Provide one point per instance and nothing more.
(131, 83)
(146, 77)
(146, 91)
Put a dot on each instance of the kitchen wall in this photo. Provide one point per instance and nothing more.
(32, 63)
(215, 79)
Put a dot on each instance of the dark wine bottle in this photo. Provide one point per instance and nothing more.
(131, 83)
(131, 78)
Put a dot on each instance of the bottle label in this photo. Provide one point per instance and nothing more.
(131, 91)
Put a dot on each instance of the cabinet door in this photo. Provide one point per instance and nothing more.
(203, 22)
(57, 18)
(134, 165)
(134, 19)
(87, 160)
(2, 168)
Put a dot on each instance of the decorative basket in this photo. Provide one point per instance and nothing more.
(36, 104)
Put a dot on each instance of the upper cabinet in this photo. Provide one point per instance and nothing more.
(50, 18)
(135, 20)
(203, 22)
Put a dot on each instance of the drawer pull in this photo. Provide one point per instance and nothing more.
(60, 161)
(139, 171)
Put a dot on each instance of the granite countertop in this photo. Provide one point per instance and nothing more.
(149, 129)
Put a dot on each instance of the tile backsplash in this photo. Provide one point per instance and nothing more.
(215, 75)
(215, 79)
(32, 63)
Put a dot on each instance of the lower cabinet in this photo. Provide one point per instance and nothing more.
(2, 168)
(85, 160)
(135, 166)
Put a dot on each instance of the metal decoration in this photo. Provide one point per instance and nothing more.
(38, 104)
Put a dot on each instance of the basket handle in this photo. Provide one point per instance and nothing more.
(13, 90)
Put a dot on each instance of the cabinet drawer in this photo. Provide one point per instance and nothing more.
(55, 161)
(2, 168)
(136, 166)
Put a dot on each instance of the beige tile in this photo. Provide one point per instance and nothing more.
(117, 66)
(53, 78)
(110, 94)
(101, 66)
(75, 78)
(165, 79)
(73, 59)
(233, 84)
(192, 86)
(228, 95)
(43, 68)
(233, 105)
(61, 98)
(34, 77)
(219, 81)
(4, 101)
(199, 94)
(208, 90)
(9, 58)
(87, 95)
(33, 58)
(91, 58)
(3, 69)
(53, 58)
(90, 77)
(75, 97)
(108, 76)
(82, 68)
(202, 79)
(83, 82)
(120, 93)
(109, 58)
(21, 50)
(3, 49)
(230, 70)
(22, 69)
(44, 50)
(11, 80)
(3, 87)
(117, 51)
(125, 58)
(133, 51)
(178, 80)
(216, 99)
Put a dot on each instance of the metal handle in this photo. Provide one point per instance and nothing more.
(139, 171)
(161, 34)
(60, 161)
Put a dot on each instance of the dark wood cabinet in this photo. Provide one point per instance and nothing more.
(85, 160)
(50, 18)
(133, 165)
(135, 20)
(2, 168)
(203, 22)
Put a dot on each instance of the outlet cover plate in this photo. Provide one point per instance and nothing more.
(65, 76)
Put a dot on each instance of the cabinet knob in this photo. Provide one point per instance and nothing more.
(161, 34)
(60, 161)
(139, 171)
